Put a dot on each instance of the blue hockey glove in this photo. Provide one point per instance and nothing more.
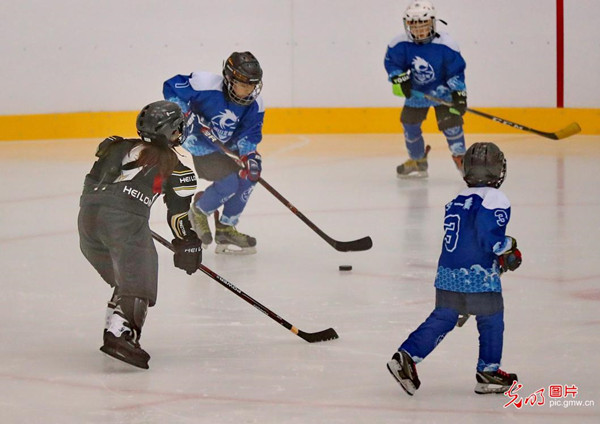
(252, 166)
(511, 259)
(459, 98)
(401, 85)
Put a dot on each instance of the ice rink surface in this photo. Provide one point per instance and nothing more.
(216, 359)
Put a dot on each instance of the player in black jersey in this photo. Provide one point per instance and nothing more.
(115, 237)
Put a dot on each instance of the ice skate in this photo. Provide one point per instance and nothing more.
(458, 161)
(230, 241)
(414, 168)
(200, 226)
(493, 382)
(121, 342)
(403, 369)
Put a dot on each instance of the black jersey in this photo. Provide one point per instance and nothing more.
(117, 181)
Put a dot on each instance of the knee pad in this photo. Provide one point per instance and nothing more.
(442, 321)
(446, 120)
(412, 133)
(447, 315)
(491, 324)
(227, 187)
(134, 309)
(455, 137)
(246, 189)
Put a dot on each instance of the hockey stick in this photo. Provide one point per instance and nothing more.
(319, 336)
(462, 318)
(359, 245)
(571, 129)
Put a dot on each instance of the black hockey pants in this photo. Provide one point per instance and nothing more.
(119, 246)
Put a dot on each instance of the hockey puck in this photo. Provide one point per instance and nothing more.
(345, 267)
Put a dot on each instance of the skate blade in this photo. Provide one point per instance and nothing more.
(485, 389)
(230, 249)
(114, 353)
(413, 175)
(406, 384)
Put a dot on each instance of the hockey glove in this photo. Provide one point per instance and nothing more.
(188, 254)
(401, 85)
(511, 259)
(252, 166)
(459, 98)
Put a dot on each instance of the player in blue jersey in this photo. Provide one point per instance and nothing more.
(226, 107)
(475, 252)
(421, 60)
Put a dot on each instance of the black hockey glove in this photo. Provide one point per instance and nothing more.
(511, 259)
(401, 85)
(188, 254)
(459, 98)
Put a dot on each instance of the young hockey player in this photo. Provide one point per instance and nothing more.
(421, 60)
(229, 108)
(114, 234)
(475, 252)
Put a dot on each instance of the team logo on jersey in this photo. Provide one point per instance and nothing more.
(501, 217)
(422, 70)
(224, 123)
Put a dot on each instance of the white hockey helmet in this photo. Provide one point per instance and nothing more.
(419, 21)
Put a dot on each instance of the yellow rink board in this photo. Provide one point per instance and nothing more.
(298, 121)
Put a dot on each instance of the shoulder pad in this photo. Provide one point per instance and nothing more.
(106, 143)
(445, 39)
(206, 81)
(495, 199)
(400, 38)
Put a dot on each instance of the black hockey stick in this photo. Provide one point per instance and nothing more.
(364, 243)
(571, 129)
(319, 336)
(359, 245)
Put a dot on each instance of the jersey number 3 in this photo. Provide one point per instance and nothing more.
(451, 227)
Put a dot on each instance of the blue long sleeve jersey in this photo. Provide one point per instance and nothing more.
(474, 235)
(201, 93)
(436, 68)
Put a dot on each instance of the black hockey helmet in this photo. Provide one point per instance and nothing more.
(242, 67)
(484, 165)
(161, 122)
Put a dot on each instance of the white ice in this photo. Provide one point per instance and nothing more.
(216, 359)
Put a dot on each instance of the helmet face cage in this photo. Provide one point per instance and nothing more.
(419, 21)
(484, 165)
(242, 74)
(161, 122)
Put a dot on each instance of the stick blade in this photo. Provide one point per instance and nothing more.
(571, 129)
(359, 245)
(319, 336)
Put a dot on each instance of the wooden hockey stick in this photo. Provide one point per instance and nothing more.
(358, 245)
(319, 336)
(571, 129)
